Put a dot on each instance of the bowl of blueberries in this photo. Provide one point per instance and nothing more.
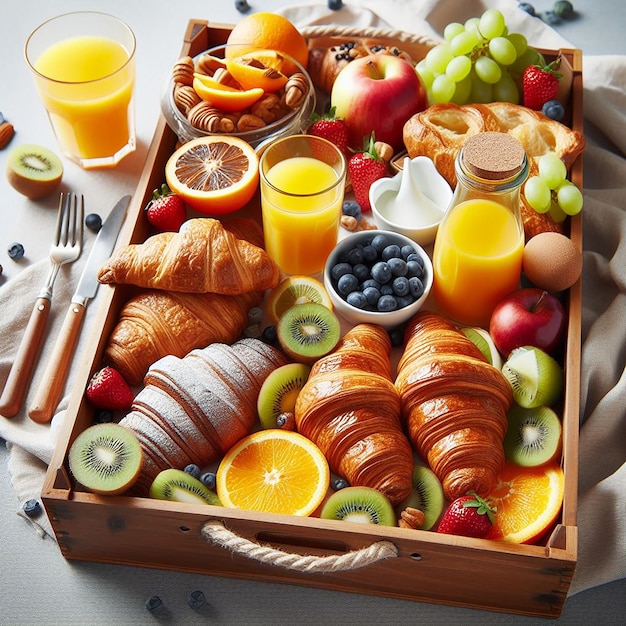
(378, 277)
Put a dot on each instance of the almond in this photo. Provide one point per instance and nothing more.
(6, 134)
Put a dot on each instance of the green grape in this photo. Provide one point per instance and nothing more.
(487, 70)
(459, 68)
(491, 23)
(530, 57)
(452, 29)
(538, 194)
(462, 91)
(502, 51)
(481, 91)
(442, 88)
(556, 212)
(473, 24)
(570, 198)
(425, 74)
(519, 42)
(552, 170)
(506, 90)
(437, 58)
(464, 42)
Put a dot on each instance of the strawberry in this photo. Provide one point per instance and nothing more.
(469, 516)
(107, 389)
(166, 211)
(365, 167)
(540, 84)
(330, 127)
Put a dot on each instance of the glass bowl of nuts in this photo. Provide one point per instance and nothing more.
(258, 96)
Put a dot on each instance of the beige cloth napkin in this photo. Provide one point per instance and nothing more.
(602, 505)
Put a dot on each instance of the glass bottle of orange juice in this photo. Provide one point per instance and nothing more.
(477, 258)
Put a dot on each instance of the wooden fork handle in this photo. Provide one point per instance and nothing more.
(51, 386)
(21, 372)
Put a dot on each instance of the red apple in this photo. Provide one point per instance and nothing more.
(527, 317)
(377, 93)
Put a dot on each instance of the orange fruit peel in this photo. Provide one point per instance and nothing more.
(274, 471)
(251, 71)
(528, 501)
(214, 175)
(226, 98)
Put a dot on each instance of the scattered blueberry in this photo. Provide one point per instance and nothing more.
(32, 508)
(529, 8)
(269, 335)
(397, 336)
(340, 483)
(103, 416)
(242, 6)
(193, 470)
(208, 480)
(1, 270)
(335, 5)
(553, 109)
(93, 222)
(564, 9)
(550, 17)
(255, 315)
(153, 604)
(16, 251)
(196, 599)
(351, 208)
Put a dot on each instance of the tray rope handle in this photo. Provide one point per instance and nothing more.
(215, 532)
(332, 30)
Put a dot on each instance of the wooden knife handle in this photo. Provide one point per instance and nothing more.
(53, 381)
(22, 368)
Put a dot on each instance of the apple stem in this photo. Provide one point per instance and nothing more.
(374, 71)
(541, 297)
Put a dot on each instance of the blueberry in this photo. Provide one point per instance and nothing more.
(93, 222)
(386, 289)
(404, 301)
(338, 270)
(361, 271)
(193, 470)
(529, 8)
(347, 283)
(340, 483)
(370, 282)
(370, 254)
(357, 299)
(381, 272)
(153, 604)
(550, 17)
(16, 251)
(398, 266)
(0, 270)
(387, 303)
(335, 5)
(354, 256)
(242, 6)
(397, 336)
(270, 335)
(372, 295)
(407, 250)
(379, 243)
(32, 508)
(103, 416)
(401, 285)
(391, 251)
(208, 480)
(564, 9)
(416, 287)
(352, 208)
(414, 268)
(196, 599)
(553, 109)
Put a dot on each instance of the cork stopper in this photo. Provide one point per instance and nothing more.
(493, 155)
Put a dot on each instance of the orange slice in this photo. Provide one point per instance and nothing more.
(224, 97)
(254, 70)
(214, 175)
(528, 501)
(274, 471)
(296, 290)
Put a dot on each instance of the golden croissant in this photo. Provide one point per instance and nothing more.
(156, 323)
(455, 405)
(204, 256)
(351, 410)
(192, 410)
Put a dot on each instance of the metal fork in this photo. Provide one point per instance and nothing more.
(66, 248)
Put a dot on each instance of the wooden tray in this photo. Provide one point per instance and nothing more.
(392, 562)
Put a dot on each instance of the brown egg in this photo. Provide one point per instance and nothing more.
(552, 261)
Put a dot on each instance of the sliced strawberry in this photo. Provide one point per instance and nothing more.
(365, 168)
(166, 211)
(108, 389)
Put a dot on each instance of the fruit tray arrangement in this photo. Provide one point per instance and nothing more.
(400, 560)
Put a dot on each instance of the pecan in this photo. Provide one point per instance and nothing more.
(182, 72)
(268, 108)
(411, 518)
(185, 97)
(6, 133)
(224, 77)
(204, 116)
(349, 222)
(296, 89)
(248, 121)
(208, 64)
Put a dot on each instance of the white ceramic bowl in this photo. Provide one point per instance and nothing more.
(413, 201)
(355, 315)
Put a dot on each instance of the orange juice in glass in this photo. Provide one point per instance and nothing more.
(477, 257)
(302, 189)
(84, 70)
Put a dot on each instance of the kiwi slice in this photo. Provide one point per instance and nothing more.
(533, 436)
(278, 394)
(535, 377)
(178, 486)
(106, 458)
(483, 341)
(308, 331)
(359, 504)
(34, 171)
(426, 495)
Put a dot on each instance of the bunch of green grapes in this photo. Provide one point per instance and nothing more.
(478, 61)
(550, 192)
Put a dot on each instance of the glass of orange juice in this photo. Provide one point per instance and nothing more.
(302, 188)
(84, 69)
